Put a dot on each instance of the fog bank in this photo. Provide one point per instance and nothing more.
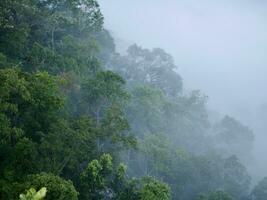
(220, 48)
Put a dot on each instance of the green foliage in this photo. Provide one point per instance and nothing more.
(67, 145)
(236, 178)
(102, 91)
(3, 61)
(154, 190)
(32, 194)
(29, 104)
(154, 68)
(103, 98)
(234, 138)
(62, 117)
(50, 35)
(101, 179)
(145, 110)
(57, 188)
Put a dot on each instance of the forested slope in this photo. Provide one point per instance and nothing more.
(85, 122)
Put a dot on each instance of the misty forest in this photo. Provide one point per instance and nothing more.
(81, 120)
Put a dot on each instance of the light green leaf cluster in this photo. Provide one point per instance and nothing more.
(32, 194)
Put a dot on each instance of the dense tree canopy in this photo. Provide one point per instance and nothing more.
(80, 121)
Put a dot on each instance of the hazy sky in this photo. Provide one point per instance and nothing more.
(220, 48)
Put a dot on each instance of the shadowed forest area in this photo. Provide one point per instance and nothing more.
(79, 120)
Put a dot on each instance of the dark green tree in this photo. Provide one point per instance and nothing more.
(57, 188)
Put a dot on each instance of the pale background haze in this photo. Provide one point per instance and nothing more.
(220, 48)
